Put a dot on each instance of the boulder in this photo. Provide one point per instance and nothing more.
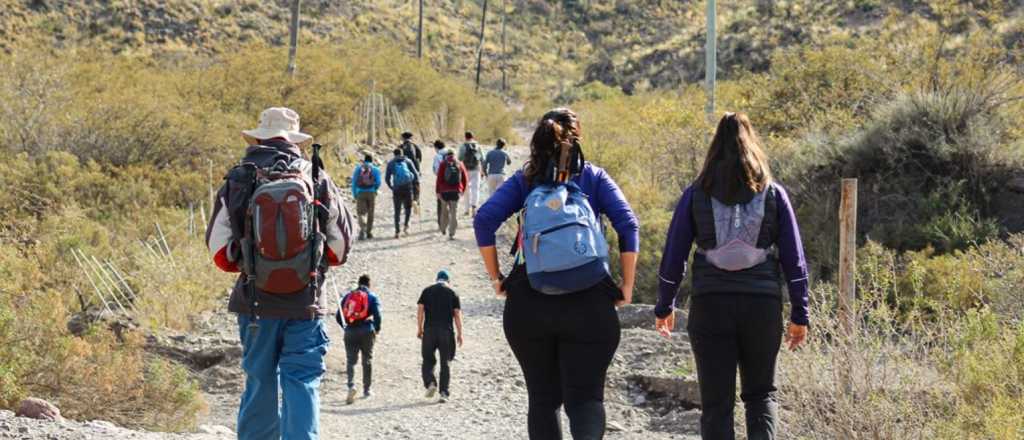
(682, 390)
(35, 408)
(642, 316)
(1016, 185)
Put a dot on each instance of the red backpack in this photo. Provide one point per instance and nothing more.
(366, 179)
(280, 217)
(356, 306)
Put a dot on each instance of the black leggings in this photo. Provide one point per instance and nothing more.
(729, 331)
(564, 345)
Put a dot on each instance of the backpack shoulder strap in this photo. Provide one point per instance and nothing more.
(770, 223)
(703, 218)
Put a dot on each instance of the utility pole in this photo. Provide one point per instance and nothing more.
(711, 61)
(480, 47)
(419, 34)
(294, 44)
(504, 49)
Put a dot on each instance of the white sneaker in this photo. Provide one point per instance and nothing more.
(351, 396)
(444, 398)
(431, 390)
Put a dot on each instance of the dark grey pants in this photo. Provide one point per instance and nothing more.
(729, 331)
(358, 340)
(437, 341)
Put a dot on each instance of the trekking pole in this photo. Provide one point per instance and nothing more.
(316, 252)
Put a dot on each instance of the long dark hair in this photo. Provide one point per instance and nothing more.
(736, 166)
(557, 128)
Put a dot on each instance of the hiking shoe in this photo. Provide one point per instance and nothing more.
(431, 390)
(444, 398)
(351, 396)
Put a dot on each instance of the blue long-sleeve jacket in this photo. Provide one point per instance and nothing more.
(681, 235)
(356, 190)
(374, 313)
(390, 173)
(602, 192)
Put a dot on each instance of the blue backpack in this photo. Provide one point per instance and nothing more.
(403, 175)
(562, 242)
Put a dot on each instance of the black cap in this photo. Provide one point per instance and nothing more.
(407, 135)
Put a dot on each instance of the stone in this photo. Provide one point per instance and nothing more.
(102, 424)
(642, 316)
(685, 392)
(1016, 184)
(614, 426)
(35, 408)
(215, 429)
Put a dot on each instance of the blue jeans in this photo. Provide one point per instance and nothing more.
(285, 355)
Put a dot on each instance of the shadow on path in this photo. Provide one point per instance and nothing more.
(352, 410)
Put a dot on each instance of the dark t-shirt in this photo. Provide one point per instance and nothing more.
(439, 302)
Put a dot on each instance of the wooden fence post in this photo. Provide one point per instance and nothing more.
(848, 255)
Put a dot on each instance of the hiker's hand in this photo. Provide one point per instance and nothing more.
(458, 338)
(499, 290)
(795, 335)
(419, 334)
(627, 295)
(666, 325)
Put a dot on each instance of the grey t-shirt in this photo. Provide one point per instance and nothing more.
(496, 161)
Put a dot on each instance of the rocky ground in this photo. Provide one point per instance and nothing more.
(647, 395)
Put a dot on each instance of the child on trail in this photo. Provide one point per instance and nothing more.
(359, 315)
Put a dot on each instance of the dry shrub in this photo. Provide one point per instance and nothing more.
(918, 364)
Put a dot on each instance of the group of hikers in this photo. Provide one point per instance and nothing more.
(458, 174)
(281, 222)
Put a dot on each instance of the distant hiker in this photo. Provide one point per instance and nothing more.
(472, 158)
(452, 178)
(439, 320)
(440, 152)
(494, 166)
(736, 214)
(359, 314)
(560, 317)
(402, 178)
(258, 228)
(411, 150)
(366, 182)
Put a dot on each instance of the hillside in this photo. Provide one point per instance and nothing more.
(631, 44)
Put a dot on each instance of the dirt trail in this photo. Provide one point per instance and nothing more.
(488, 395)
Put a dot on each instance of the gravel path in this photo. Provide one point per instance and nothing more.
(488, 395)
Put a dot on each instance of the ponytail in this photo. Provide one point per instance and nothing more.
(558, 128)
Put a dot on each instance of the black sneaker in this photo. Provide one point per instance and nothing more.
(367, 394)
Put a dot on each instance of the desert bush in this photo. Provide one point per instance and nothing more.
(920, 363)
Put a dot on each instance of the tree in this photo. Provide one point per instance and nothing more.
(480, 47)
(293, 46)
(504, 49)
(419, 34)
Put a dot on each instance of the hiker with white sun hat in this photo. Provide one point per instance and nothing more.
(280, 222)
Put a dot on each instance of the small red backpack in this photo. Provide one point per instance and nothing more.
(356, 306)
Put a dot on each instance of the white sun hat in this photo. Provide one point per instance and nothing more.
(278, 122)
